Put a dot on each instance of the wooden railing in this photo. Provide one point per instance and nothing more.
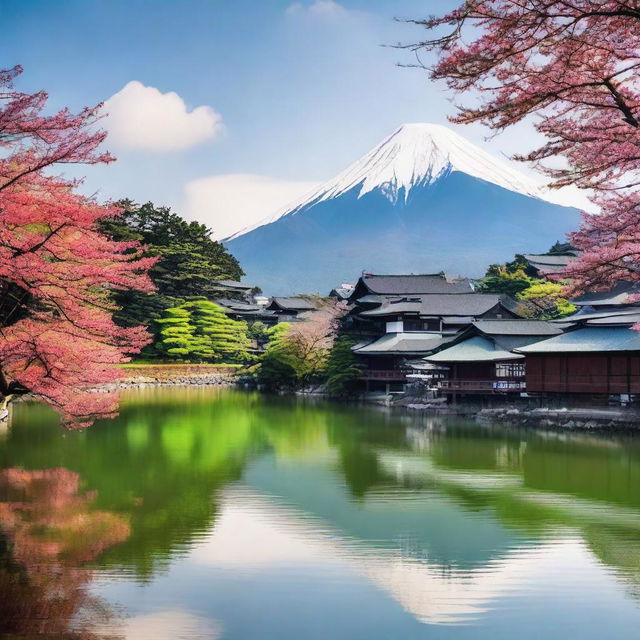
(490, 386)
(383, 374)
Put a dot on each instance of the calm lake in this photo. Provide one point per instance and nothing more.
(204, 513)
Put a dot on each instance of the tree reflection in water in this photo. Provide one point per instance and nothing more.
(48, 533)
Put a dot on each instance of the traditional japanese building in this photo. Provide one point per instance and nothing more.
(398, 319)
(233, 289)
(247, 311)
(289, 309)
(540, 265)
(598, 355)
(483, 359)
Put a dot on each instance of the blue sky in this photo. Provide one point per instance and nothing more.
(290, 92)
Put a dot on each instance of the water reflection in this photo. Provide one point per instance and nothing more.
(245, 517)
(48, 534)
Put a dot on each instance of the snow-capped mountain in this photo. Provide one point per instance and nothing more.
(424, 199)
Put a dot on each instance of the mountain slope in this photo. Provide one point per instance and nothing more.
(423, 200)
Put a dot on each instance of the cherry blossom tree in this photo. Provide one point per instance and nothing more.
(57, 272)
(573, 67)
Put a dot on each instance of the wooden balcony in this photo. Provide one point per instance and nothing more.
(482, 386)
(383, 374)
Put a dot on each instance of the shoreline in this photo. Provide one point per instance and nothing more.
(145, 375)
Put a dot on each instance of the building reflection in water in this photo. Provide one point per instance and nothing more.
(446, 519)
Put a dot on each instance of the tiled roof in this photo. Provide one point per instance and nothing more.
(291, 304)
(517, 327)
(470, 304)
(588, 340)
(475, 349)
(237, 305)
(619, 295)
(548, 262)
(402, 343)
(235, 284)
(410, 284)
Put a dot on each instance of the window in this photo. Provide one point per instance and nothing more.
(510, 370)
(417, 324)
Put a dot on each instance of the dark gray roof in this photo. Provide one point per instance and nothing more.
(415, 284)
(548, 262)
(620, 319)
(474, 349)
(291, 304)
(402, 343)
(237, 305)
(619, 295)
(341, 293)
(517, 327)
(235, 284)
(469, 304)
(613, 315)
(588, 340)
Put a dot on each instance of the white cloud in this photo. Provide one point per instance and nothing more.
(141, 117)
(318, 9)
(230, 202)
(167, 625)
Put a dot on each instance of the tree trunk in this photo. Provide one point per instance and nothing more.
(4, 408)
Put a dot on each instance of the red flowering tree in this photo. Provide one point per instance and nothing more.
(574, 65)
(57, 272)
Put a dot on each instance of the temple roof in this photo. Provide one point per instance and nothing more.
(402, 343)
(590, 339)
(430, 283)
(469, 304)
(474, 349)
(549, 262)
(235, 284)
(618, 295)
(291, 304)
(517, 327)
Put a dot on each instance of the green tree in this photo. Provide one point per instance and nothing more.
(277, 368)
(190, 264)
(509, 278)
(342, 370)
(258, 331)
(545, 301)
(227, 338)
(199, 330)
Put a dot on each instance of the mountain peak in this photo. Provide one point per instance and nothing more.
(416, 154)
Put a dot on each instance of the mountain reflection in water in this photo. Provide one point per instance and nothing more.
(202, 513)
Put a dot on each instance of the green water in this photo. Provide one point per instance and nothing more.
(206, 514)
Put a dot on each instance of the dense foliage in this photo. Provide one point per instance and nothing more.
(199, 330)
(189, 262)
(277, 370)
(575, 67)
(296, 354)
(342, 371)
(58, 273)
(539, 298)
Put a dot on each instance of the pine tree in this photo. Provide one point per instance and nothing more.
(199, 330)
(177, 335)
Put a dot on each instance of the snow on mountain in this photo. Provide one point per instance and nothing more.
(415, 154)
(424, 200)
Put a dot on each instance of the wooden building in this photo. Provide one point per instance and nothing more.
(398, 319)
(483, 359)
(596, 359)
